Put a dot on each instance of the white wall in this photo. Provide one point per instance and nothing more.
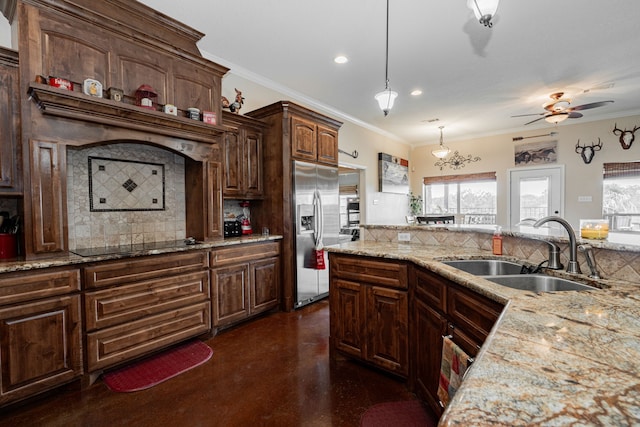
(5, 32)
(497, 154)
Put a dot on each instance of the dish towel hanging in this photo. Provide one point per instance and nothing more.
(454, 364)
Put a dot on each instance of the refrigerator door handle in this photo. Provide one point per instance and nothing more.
(320, 237)
(316, 214)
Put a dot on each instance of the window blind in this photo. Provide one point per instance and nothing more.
(484, 176)
(621, 170)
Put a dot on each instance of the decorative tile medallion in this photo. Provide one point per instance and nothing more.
(125, 185)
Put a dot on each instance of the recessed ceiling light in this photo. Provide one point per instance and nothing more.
(416, 92)
(341, 59)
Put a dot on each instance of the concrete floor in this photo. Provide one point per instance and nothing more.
(273, 371)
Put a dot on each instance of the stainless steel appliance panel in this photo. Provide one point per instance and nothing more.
(317, 220)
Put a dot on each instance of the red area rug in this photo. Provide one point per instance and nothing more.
(158, 368)
(408, 413)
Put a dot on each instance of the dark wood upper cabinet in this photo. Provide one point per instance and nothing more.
(242, 154)
(10, 152)
(123, 44)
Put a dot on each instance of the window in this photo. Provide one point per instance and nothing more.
(473, 195)
(621, 196)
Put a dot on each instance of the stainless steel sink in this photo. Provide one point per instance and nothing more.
(485, 267)
(538, 283)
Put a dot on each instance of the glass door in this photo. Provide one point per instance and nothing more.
(535, 193)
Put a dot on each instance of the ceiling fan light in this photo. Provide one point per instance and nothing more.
(484, 10)
(385, 99)
(557, 118)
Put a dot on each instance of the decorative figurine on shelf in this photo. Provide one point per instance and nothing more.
(236, 105)
(146, 97)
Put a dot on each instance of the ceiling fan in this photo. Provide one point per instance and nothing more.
(558, 109)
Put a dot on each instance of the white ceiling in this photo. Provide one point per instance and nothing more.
(473, 78)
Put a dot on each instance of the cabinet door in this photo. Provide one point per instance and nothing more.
(347, 320)
(303, 139)
(430, 326)
(9, 122)
(214, 201)
(265, 284)
(230, 300)
(232, 164)
(327, 145)
(252, 160)
(48, 198)
(387, 329)
(40, 346)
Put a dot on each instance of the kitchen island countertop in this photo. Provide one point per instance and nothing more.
(556, 358)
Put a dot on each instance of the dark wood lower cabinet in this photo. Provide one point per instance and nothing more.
(40, 346)
(245, 282)
(40, 331)
(370, 322)
(394, 316)
(139, 305)
(388, 329)
(430, 327)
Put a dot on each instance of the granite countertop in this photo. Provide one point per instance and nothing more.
(556, 358)
(130, 251)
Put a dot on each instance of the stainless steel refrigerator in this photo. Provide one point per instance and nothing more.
(317, 225)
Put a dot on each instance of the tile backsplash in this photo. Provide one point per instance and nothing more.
(134, 217)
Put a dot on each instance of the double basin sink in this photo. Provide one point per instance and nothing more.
(510, 274)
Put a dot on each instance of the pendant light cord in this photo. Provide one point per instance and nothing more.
(386, 67)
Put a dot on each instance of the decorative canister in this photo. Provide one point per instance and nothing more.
(8, 246)
(209, 117)
(170, 109)
(92, 87)
(193, 113)
(60, 83)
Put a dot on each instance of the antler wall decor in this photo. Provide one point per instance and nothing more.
(456, 161)
(588, 151)
(626, 137)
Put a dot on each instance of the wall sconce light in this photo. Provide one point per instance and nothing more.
(387, 97)
(484, 10)
(441, 152)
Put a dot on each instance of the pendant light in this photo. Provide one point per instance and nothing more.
(484, 10)
(441, 152)
(387, 97)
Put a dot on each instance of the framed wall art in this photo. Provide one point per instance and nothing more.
(393, 174)
(536, 153)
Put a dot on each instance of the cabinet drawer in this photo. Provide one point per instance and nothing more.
(474, 313)
(383, 273)
(111, 346)
(109, 307)
(137, 269)
(243, 253)
(432, 289)
(27, 286)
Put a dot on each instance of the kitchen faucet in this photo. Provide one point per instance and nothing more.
(591, 260)
(573, 266)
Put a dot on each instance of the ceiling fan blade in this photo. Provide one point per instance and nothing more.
(588, 106)
(534, 114)
(574, 115)
(533, 121)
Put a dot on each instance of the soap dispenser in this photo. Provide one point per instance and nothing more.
(497, 241)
